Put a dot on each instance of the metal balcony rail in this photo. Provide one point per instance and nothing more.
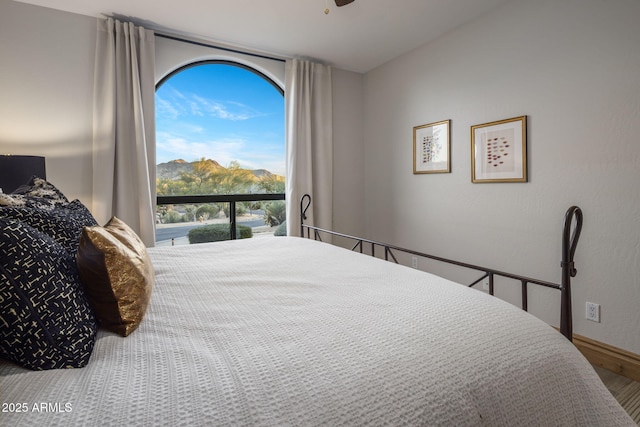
(232, 199)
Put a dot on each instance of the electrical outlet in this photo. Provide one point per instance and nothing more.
(414, 262)
(593, 312)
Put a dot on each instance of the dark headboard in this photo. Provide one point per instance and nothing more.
(16, 170)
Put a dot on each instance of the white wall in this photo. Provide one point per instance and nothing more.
(348, 155)
(571, 66)
(46, 87)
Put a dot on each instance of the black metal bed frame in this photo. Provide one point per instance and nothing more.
(570, 237)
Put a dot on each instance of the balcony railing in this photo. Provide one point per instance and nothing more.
(232, 199)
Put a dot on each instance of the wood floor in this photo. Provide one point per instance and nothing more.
(625, 390)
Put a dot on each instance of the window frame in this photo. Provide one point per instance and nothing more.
(232, 199)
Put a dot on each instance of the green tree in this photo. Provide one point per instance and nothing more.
(199, 179)
(233, 179)
(172, 217)
(275, 213)
(190, 212)
(171, 187)
(271, 184)
(252, 206)
(207, 211)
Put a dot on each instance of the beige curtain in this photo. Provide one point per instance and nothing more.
(124, 127)
(309, 143)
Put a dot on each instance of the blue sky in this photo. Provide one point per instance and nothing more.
(221, 112)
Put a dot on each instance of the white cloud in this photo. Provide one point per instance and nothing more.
(273, 164)
(227, 111)
(171, 147)
(166, 109)
(175, 104)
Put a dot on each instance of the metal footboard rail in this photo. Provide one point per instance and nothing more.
(570, 237)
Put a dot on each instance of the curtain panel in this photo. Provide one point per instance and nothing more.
(309, 143)
(124, 126)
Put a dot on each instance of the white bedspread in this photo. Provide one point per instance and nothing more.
(292, 332)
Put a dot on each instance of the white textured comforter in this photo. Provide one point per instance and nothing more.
(292, 332)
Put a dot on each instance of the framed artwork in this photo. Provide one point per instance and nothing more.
(499, 151)
(431, 148)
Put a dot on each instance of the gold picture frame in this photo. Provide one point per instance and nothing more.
(432, 148)
(499, 151)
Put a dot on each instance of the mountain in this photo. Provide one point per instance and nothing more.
(259, 173)
(172, 169)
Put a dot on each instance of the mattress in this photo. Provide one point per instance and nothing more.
(291, 332)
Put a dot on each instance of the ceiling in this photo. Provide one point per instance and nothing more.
(357, 37)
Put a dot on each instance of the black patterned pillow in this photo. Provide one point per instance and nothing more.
(37, 193)
(16, 200)
(42, 189)
(12, 200)
(63, 223)
(47, 322)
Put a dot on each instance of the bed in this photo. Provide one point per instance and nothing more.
(287, 331)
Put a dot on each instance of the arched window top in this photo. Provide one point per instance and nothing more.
(226, 62)
(223, 111)
(174, 53)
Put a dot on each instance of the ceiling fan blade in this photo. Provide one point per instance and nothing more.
(343, 2)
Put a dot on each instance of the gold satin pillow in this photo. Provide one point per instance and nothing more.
(117, 274)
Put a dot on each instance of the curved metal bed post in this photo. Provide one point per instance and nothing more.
(303, 211)
(569, 244)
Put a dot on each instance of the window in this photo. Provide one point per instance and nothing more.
(219, 133)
